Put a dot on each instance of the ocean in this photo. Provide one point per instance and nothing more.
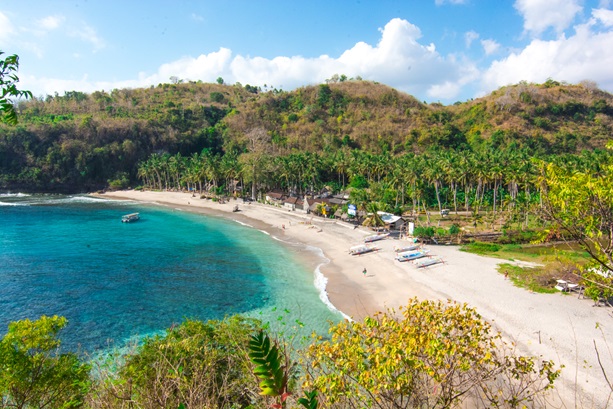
(116, 282)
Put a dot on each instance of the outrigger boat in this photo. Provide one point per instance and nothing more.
(375, 237)
(361, 249)
(425, 262)
(132, 217)
(409, 247)
(412, 255)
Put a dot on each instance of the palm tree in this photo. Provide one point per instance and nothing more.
(434, 173)
(373, 219)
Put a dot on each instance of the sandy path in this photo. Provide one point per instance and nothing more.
(559, 327)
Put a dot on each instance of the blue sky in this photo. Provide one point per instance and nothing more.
(436, 50)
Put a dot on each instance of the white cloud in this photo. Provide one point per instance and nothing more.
(604, 16)
(50, 22)
(398, 60)
(469, 37)
(6, 28)
(450, 88)
(89, 35)
(41, 87)
(490, 46)
(204, 67)
(539, 15)
(585, 55)
(196, 17)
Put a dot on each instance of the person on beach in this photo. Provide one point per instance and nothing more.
(364, 272)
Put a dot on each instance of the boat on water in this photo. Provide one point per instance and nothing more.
(425, 262)
(132, 217)
(412, 255)
(375, 237)
(361, 249)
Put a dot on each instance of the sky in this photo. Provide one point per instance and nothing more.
(436, 50)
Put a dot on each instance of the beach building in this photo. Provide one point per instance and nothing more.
(274, 197)
(291, 203)
(392, 222)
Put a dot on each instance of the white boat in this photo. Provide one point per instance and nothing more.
(412, 255)
(361, 249)
(132, 217)
(425, 262)
(375, 237)
(406, 248)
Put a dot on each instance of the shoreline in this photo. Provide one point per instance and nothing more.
(556, 327)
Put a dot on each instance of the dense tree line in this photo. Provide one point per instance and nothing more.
(456, 179)
(83, 142)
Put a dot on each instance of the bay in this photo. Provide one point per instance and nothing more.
(113, 281)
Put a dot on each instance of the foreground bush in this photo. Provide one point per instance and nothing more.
(33, 373)
(429, 355)
(197, 365)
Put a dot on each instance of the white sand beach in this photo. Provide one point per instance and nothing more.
(558, 327)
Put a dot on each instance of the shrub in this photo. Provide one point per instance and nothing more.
(120, 182)
(196, 364)
(423, 232)
(217, 97)
(428, 354)
(358, 182)
(33, 372)
(481, 248)
(454, 229)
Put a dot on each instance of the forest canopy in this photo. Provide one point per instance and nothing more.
(82, 142)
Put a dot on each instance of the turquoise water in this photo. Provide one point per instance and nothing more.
(72, 256)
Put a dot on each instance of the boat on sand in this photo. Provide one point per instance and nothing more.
(361, 249)
(406, 248)
(412, 255)
(425, 262)
(375, 237)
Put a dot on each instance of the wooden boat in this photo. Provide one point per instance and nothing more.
(132, 217)
(412, 255)
(361, 249)
(406, 248)
(425, 262)
(411, 252)
(375, 237)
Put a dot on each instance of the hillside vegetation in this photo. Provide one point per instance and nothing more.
(82, 142)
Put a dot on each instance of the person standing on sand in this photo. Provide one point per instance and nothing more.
(364, 272)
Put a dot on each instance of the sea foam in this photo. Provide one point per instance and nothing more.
(321, 282)
(14, 195)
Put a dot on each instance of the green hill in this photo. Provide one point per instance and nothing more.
(78, 141)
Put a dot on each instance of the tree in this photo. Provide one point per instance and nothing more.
(427, 355)
(258, 145)
(373, 218)
(33, 373)
(579, 203)
(8, 88)
(195, 364)
(220, 81)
